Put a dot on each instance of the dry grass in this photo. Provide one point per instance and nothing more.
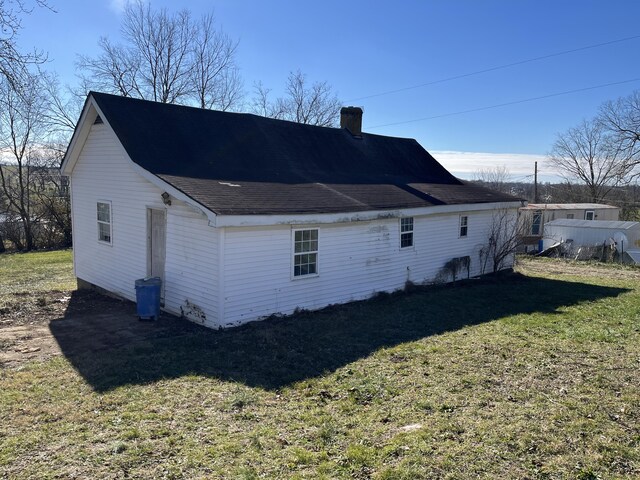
(30, 282)
(533, 375)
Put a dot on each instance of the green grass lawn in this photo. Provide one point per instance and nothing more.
(533, 375)
(34, 273)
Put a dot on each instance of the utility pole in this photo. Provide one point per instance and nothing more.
(535, 183)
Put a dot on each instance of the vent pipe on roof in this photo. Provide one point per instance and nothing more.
(351, 119)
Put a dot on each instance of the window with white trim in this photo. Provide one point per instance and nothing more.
(464, 225)
(104, 222)
(406, 232)
(305, 252)
(589, 215)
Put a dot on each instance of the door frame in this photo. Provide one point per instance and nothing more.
(150, 246)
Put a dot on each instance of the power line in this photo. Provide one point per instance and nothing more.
(498, 105)
(492, 69)
(521, 178)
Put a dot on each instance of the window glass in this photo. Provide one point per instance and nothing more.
(104, 222)
(406, 232)
(104, 212)
(305, 252)
(464, 225)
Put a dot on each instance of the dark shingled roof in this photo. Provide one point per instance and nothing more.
(243, 164)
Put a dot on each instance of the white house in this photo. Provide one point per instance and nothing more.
(244, 216)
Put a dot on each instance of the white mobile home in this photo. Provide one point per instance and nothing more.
(535, 216)
(244, 216)
(624, 236)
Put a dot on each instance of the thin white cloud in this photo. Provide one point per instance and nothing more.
(117, 5)
(520, 166)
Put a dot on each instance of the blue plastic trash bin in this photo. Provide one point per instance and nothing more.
(148, 297)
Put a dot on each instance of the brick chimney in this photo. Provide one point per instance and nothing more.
(351, 119)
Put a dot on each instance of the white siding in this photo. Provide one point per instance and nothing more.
(355, 260)
(192, 267)
(103, 172)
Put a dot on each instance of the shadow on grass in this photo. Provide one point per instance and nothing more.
(277, 352)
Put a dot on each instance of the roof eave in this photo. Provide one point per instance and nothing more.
(359, 216)
(80, 134)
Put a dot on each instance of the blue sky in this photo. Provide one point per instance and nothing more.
(364, 48)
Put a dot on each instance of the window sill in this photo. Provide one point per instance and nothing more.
(302, 277)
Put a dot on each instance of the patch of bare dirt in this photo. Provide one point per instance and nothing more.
(70, 323)
(31, 309)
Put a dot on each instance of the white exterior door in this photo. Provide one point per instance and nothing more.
(156, 244)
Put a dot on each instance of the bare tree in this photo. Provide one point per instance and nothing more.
(167, 58)
(4, 217)
(261, 104)
(114, 70)
(312, 104)
(495, 178)
(622, 118)
(34, 129)
(216, 78)
(62, 107)
(161, 51)
(590, 155)
(506, 233)
(14, 62)
(51, 197)
(21, 113)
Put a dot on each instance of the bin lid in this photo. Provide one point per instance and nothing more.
(149, 282)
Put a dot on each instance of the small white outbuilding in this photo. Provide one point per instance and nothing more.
(624, 236)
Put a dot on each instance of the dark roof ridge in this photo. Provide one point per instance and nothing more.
(250, 114)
